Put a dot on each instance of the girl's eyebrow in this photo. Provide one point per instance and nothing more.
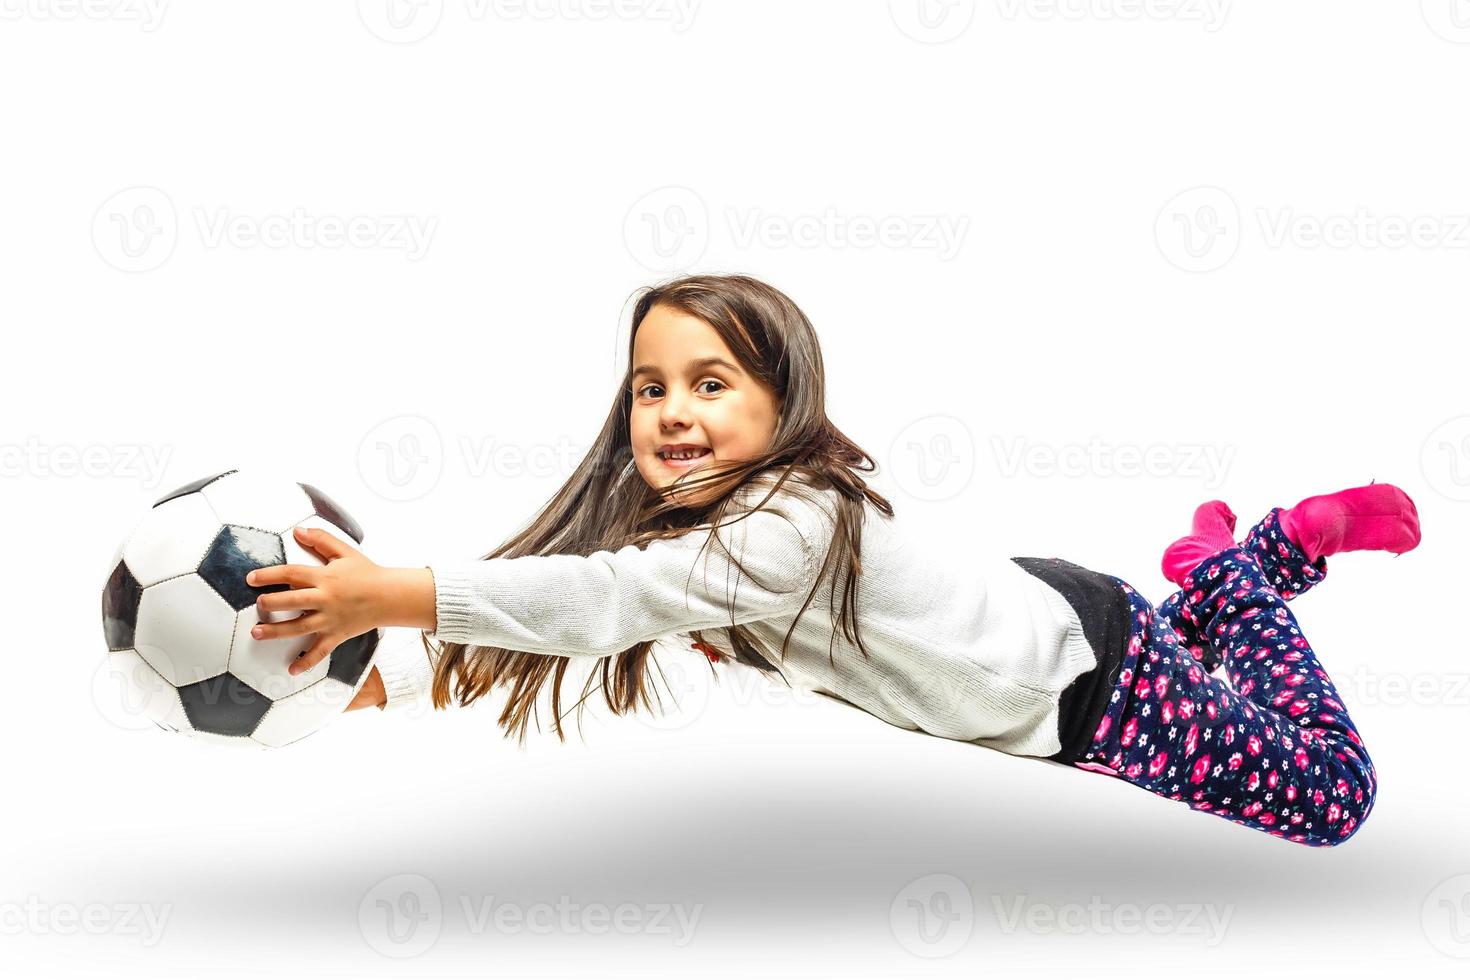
(694, 365)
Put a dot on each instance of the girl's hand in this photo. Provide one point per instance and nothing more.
(346, 597)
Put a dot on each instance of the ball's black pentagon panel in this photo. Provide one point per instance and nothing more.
(120, 598)
(223, 705)
(327, 510)
(190, 487)
(351, 657)
(237, 550)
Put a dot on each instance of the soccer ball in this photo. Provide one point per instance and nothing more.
(177, 614)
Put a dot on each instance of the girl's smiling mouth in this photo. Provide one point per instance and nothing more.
(692, 458)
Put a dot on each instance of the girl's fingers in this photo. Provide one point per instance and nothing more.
(290, 599)
(282, 575)
(299, 626)
(311, 657)
(324, 543)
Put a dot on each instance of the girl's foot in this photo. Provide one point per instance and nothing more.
(1213, 531)
(1378, 517)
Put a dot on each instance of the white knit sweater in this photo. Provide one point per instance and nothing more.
(960, 644)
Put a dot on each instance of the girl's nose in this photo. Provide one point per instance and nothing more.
(672, 410)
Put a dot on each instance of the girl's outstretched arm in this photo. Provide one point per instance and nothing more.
(601, 604)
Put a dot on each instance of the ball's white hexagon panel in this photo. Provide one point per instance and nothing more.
(171, 539)
(184, 629)
(262, 663)
(258, 500)
(144, 693)
(303, 712)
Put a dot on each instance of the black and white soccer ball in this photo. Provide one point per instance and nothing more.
(177, 614)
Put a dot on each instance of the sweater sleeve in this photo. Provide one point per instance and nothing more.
(405, 668)
(601, 604)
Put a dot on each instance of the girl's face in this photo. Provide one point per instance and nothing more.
(689, 389)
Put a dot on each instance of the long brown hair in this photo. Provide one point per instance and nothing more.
(606, 504)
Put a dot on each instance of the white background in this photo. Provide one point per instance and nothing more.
(1210, 231)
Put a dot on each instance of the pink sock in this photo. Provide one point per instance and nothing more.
(1213, 530)
(1378, 517)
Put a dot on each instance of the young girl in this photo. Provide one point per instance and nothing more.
(721, 415)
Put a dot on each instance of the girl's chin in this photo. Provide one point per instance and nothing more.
(686, 493)
(687, 490)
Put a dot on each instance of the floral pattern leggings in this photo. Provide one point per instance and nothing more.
(1273, 749)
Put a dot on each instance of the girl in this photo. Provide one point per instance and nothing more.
(721, 414)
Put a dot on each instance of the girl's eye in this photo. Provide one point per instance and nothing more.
(708, 381)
